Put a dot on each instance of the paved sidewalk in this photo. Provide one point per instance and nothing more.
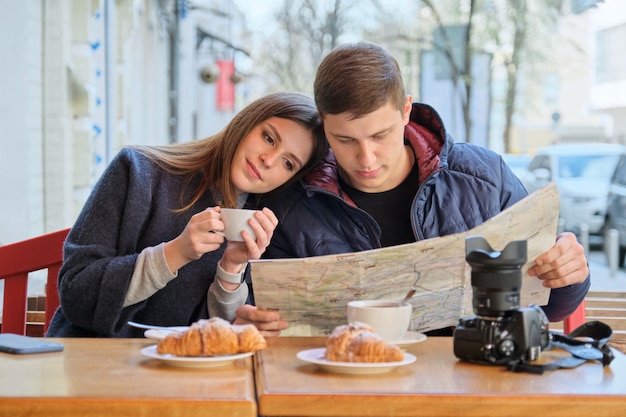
(602, 278)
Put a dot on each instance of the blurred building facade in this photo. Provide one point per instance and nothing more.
(554, 106)
(583, 99)
(83, 78)
(608, 66)
(555, 81)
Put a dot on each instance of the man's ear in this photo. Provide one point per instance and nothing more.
(408, 104)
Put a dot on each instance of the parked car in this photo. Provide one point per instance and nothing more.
(582, 173)
(518, 162)
(616, 207)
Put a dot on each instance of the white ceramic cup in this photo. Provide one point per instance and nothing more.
(236, 220)
(390, 319)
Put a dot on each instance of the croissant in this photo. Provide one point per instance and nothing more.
(357, 342)
(213, 337)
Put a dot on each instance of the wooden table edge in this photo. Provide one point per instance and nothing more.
(439, 405)
(121, 407)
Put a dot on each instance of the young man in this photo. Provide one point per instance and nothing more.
(394, 176)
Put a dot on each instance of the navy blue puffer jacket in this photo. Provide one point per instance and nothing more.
(461, 186)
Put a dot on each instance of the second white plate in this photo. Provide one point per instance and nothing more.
(318, 357)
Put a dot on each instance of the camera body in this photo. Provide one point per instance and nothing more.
(520, 334)
(500, 331)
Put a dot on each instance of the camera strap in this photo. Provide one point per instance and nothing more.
(587, 342)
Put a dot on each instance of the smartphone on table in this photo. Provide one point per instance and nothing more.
(21, 345)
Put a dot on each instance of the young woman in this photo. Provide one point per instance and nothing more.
(141, 249)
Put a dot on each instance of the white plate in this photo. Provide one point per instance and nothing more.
(317, 357)
(193, 361)
(160, 334)
(410, 338)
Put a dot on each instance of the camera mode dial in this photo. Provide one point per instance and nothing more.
(506, 347)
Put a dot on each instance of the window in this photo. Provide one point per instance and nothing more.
(610, 56)
(590, 167)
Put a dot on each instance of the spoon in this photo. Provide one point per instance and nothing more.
(148, 326)
(408, 295)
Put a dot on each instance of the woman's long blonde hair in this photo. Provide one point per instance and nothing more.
(211, 158)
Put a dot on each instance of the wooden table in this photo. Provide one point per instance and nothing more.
(437, 384)
(109, 377)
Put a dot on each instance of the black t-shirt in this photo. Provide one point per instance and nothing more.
(391, 209)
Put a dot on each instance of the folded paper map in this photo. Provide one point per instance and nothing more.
(311, 294)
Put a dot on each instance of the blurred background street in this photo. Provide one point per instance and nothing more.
(602, 277)
(82, 79)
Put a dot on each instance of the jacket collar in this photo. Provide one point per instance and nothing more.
(424, 132)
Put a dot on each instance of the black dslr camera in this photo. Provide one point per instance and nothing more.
(501, 331)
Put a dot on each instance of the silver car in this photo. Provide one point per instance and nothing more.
(582, 173)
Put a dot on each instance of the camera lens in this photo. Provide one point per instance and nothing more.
(495, 292)
(496, 277)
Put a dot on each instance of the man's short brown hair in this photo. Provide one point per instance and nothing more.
(358, 78)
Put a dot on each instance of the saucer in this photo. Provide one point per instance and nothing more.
(410, 338)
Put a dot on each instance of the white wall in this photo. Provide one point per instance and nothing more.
(21, 167)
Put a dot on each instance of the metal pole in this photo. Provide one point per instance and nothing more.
(612, 249)
(174, 69)
(584, 237)
(109, 79)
